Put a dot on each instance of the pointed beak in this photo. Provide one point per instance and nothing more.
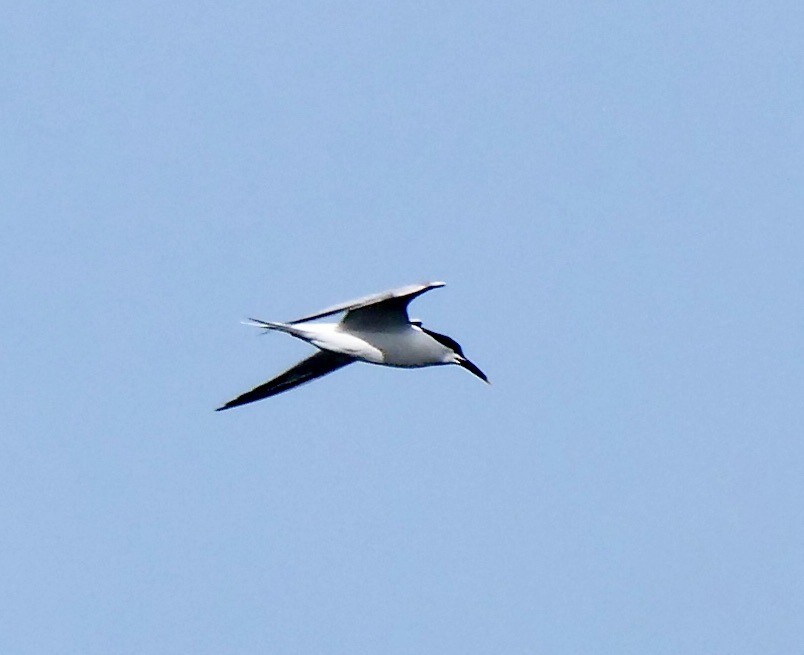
(469, 366)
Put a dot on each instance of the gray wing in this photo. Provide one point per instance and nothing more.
(321, 363)
(392, 304)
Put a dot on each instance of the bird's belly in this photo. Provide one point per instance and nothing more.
(407, 349)
(350, 345)
(327, 337)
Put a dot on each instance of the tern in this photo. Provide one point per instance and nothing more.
(374, 329)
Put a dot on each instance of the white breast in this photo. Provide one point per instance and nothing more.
(407, 347)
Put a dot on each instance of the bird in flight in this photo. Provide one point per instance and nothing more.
(374, 329)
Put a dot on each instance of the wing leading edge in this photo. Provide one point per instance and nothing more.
(313, 367)
(403, 295)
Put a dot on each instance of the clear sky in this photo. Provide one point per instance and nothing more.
(614, 194)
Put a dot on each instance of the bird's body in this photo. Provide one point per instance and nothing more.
(375, 329)
(405, 345)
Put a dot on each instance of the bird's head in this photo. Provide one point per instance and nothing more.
(454, 353)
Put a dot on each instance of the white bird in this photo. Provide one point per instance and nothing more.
(375, 329)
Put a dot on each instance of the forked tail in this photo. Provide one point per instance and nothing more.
(267, 325)
(272, 325)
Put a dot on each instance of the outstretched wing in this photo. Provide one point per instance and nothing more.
(379, 308)
(321, 363)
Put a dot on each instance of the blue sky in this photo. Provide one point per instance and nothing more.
(613, 193)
